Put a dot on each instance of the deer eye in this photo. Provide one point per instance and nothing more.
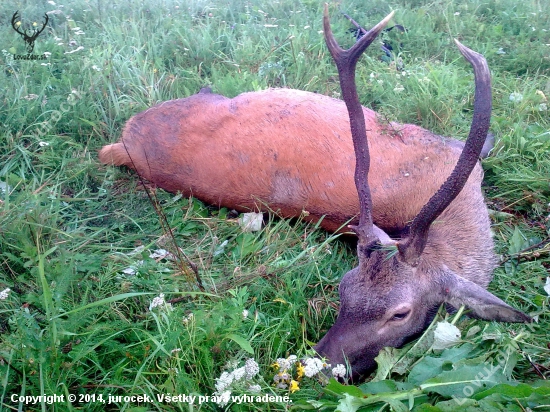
(401, 315)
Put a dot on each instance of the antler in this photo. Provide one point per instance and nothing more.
(43, 27)
(411, 248)
(13, 21)
(346, 61)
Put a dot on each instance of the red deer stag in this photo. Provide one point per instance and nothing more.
(293, 151)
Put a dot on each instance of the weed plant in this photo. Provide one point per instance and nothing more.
(77, 239)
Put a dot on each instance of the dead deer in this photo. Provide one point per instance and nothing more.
(388, 299)
(293, 151)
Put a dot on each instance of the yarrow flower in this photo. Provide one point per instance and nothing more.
(516, 97)
(313, 366)
(224, 381)
(239, 378)
(398, 88)
(223, 398)
(159, 301)
(252, 368)
(339, 371)
(4, 294)
(285, 364)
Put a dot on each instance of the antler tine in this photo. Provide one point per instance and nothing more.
(412, 247)
(45, 23)
(346, 61)
(13, 18)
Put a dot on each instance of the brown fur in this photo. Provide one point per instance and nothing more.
(292, 150)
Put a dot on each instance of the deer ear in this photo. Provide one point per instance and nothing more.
(483, 304)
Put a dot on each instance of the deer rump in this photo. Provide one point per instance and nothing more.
(292, 151)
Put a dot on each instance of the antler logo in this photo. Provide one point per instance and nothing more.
(29, 38)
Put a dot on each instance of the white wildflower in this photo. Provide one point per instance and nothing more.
(339, 371)
(239, 373)
(174, 351)
(96, 68)
(254, 388)
(45, 64)
(313, 366)
(543, 107)
(283, 363)
(251, 368)
(398, 88)
(188, 318)
(42, 144)
(516, 97)
(457, 13)
(4, 294)
(445, 335)
(159, 301)
(223, 398)
(224, 381)
(546, 287)
(306, 27)
(47, 54)
(501, 51)
(245, 314)
(51, 2)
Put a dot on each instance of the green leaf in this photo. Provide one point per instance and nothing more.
(349, 403)
(511, 391)
(386, 358)
(339, 389)
(396, 405)
(379, 387)
(242, 342)
(431, 366)
(465, 381)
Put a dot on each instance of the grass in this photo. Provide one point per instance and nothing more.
(76, 237)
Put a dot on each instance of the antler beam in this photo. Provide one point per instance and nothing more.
(412, 247)
(346, 61)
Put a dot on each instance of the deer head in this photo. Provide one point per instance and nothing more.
(29, 39)
(391, 297)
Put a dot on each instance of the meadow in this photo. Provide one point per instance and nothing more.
(101, 305)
